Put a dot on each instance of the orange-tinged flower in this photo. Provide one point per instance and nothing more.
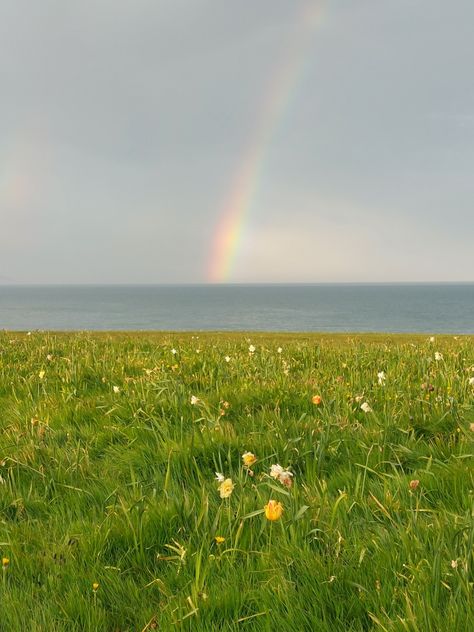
(414, 484)
(273, 510)
(317, 399)
(248, 458)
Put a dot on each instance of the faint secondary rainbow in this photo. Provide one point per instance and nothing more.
(285, 79)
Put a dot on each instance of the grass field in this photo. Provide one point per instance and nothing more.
(112, 517)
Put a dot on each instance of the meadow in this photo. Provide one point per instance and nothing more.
(203, 482)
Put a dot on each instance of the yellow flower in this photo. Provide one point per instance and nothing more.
(273, 510)
(5, 562)
(248, 458)
(219, 539)
(316, 399)
(41, 374)
(414, 484)
(95, 586)
(226, 488)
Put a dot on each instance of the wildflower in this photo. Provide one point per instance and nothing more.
(276, 471)
(5, 562)
(432, 339)
(95, 586)
(219, 539)
(284, 476)
(359, 398)
(251, 349)
(366, 408)
(220, 477)
(227, 358)
(279, 350)
(381, 377)
(454, 563)
(41, 374)
(414, 484)
(273, 510)
(173, 351)
(438, 356)
(226, 488)
(194, 400)
(34, 421)
(29, 333)
(49, 357)
(471, 381)
(248, 458)
(426, 386)
(316, 399)
(471, 427)
(116, 389)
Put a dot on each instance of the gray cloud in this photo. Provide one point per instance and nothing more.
(123, 125)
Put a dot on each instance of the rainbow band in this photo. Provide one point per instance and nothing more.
(233, 218)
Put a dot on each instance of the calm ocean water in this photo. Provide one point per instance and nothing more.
(433, 308)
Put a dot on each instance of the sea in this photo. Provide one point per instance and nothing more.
(424, 308)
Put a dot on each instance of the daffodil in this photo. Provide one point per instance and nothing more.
(285, 477)
(248, 458)
(226, 488)
(273, 510)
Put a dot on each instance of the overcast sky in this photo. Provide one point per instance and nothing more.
(123, 126)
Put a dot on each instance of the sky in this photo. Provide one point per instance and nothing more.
(194, 141)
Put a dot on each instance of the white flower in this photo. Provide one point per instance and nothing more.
(194, 400)
(251, 349)
(220, 478)
(116, 389)
(471, 381)
(279, 350)
(438, 356)
(366, 408)
(381, 377)
(173, 351)
(276, 471)
(432, 339)
(29, 333)
(227, 358)
(359, 398)
(49, 357)
(286, 478)
(282, 475)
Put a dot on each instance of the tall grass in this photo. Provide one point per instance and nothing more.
(108, 470)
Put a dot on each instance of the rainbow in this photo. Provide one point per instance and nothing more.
(233, 217)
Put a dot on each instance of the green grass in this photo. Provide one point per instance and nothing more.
(119, 488)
